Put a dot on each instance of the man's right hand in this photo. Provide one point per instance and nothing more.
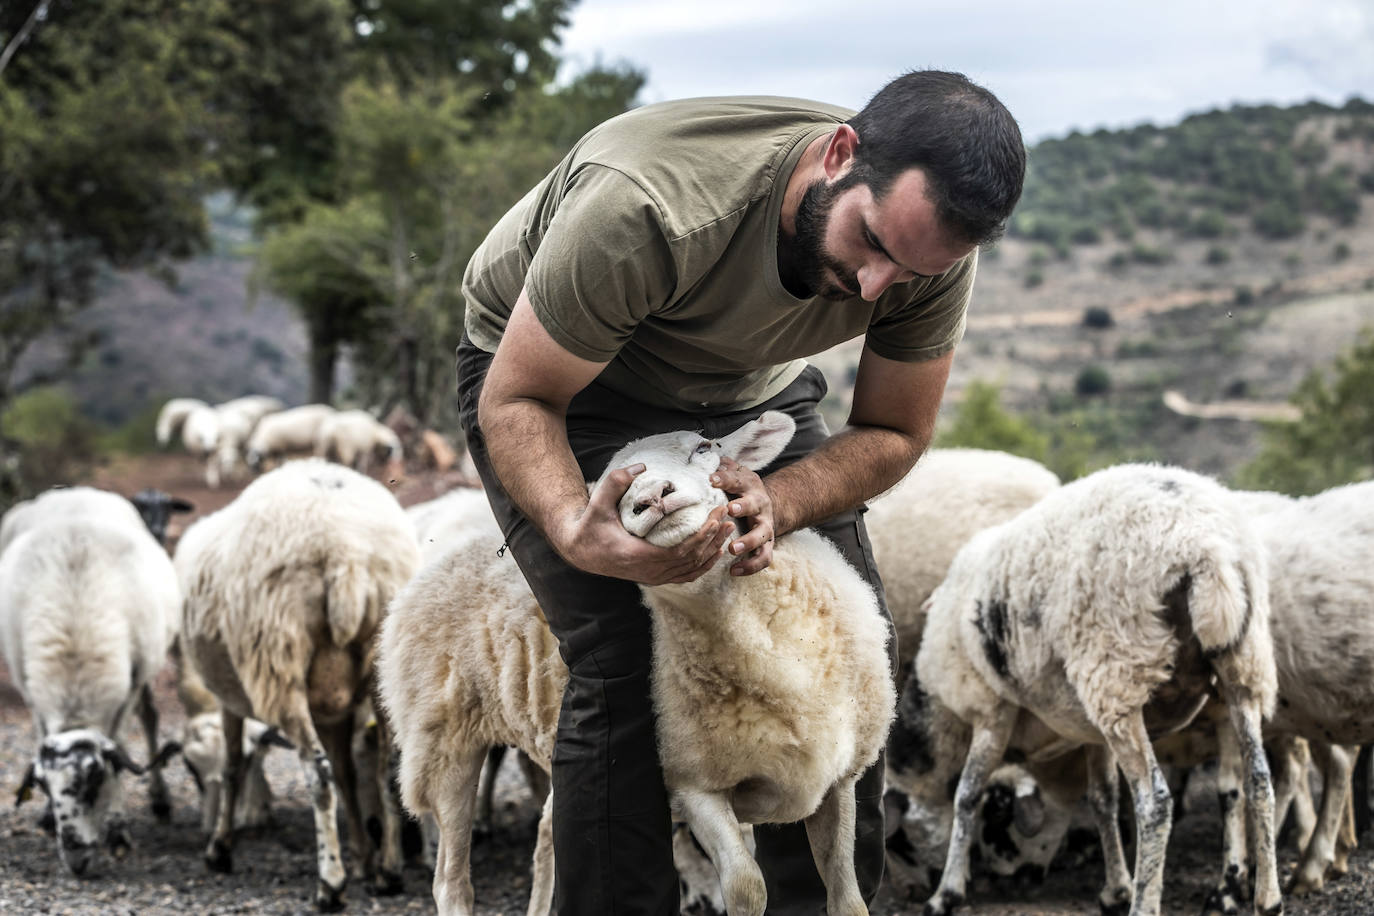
(595, 541)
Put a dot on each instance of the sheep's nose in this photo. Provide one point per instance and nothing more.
(655, 498)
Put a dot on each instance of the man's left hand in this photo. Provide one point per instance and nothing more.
(751, 502)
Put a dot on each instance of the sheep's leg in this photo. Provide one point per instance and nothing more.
(299, 729)
(486, 790)
(541, 881)
(1335, 765)
(388, 879)
(337, 740)
(1246, 721)
(157, 786)
(984, 754)
(1129, 743)
(1292, 791)
(536, 778)
(1104, 799)
(716, 828)
(219, 855)
(1234, 886)
(1348, 840)
(831, 832)
(454, 798)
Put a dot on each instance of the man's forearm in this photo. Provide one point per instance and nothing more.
(527, 443)
(852, 466)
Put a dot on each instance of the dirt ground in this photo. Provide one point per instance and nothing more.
(274, 868)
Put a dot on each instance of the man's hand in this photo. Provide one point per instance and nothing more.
(751, 502)
(595, 541)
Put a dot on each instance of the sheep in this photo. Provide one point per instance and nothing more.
(354, 438)
(173, 415)
(285, 590)
(88, 606)
(467, 662)
(287, 431)
(200, 432)
(202, 750)
(1097, 617)
(237, 418)
(917, 527)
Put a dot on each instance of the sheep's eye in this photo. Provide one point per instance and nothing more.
(705, 446)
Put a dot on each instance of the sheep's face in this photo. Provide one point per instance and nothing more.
(671, 499)
(79, 770)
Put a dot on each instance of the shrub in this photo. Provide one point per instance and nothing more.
(1244, 295)
(1341, 252)
(1093, 380)
(1217, 255)
(1034, 279)
(1097, 317)
(1147, 254)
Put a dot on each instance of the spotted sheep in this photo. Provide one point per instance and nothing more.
(89, 604)
(285, 590)
(1098, 617)
(449, 699)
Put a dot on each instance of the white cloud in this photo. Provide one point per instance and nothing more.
(1072, 64)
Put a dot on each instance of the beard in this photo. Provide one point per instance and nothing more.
(805, 267)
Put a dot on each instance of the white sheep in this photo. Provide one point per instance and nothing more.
(88, 606)
(172, 415)
(467, 662)
(237, 418)
(202, 749)
(285, 590)
(917, 527)
(291, 431)
(441, 523)
(1097, 617)
(354, 438)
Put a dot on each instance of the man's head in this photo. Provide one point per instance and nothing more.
(959, 135)
(929, 170)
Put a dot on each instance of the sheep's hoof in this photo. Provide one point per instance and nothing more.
(1115, 901)
(386, 883)
(162, 809)
(1303, 884)
(219, 857)
(1220, 902)
(1275, 910)
(117, 842)
(328, 899)
(942, 904)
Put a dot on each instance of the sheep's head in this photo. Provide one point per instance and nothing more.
(157, 508)
(670, 500)
(78, 770)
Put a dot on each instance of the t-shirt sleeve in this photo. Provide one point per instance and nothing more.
(603, 264)
(931, 323)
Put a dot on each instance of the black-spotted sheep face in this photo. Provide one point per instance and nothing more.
(78, 775)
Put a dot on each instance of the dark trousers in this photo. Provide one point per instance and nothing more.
(611, 827)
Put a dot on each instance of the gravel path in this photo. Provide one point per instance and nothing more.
(274, 869)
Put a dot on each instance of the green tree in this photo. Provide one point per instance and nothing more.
(104, 129)
(982, 422)
(1333, 441)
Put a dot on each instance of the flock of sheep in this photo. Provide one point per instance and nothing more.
(254, 431)
(1137, 621)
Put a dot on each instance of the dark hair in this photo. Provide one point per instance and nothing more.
(958, 134)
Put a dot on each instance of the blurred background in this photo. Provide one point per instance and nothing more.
(222, 197)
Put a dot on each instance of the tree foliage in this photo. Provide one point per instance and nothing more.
(103, 152)
(1333, 441)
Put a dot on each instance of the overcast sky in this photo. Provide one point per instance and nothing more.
(1059, 66)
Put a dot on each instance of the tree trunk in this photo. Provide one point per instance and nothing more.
(324, 354)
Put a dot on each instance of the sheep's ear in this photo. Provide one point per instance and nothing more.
(116, 756)
(758, 442)
(1028, 812)
(26, 787)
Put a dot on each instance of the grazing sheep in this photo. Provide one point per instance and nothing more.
(467, 662)
(1097, 617)
(354, 438)
(172, 415)
(291, 431)
(200, 432)
(202, 750)
(285, 590)
(918, 527)
(88, 606)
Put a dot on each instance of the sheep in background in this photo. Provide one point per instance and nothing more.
(1096, 617)
(917, 527)
(88, 606)
(291, 431)
(285, 590)
(202, 749)
(172, 415)
(354, 438)
(237, 418)
(450, 700)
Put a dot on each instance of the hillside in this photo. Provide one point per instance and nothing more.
(1223, 257)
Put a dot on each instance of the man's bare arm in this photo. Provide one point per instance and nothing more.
(891, 421)
(522, 413)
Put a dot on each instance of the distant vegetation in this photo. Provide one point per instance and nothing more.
(1260, 169)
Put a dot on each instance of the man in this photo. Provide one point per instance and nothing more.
(673, 271)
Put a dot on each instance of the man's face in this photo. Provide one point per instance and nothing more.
(849, 243)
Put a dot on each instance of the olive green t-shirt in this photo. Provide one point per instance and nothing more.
(653, 247)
